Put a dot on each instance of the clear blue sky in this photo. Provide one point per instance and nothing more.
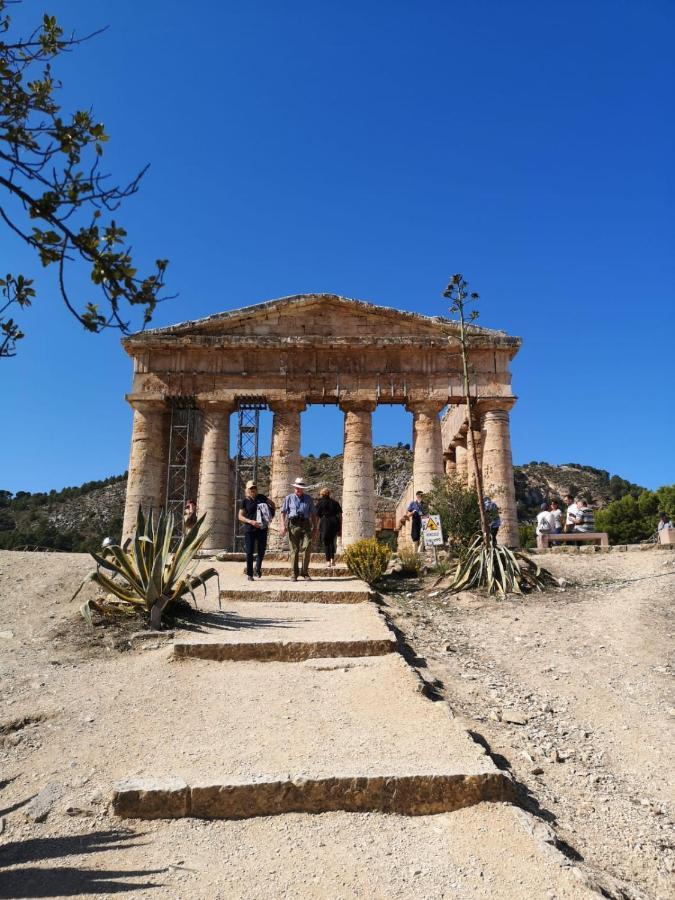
(371, 149)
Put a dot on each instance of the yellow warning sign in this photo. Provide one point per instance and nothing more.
(432, 531)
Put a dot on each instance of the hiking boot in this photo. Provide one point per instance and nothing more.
(249, 577)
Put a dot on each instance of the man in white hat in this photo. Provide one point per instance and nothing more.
(299, 520)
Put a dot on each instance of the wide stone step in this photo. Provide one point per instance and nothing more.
(415, 795)
(283, 570)
(321, 735)
(235, 587)
(287, 632)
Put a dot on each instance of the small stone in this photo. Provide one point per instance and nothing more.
(555, 756)
(41, 805)
(78, 811)
(450, 649)
(7, 635)
(514, 717)
(537, 770)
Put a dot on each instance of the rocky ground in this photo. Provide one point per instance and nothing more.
(571, 691)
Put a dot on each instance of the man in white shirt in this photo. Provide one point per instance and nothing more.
(572, 515)
(544, 520)
(556, 517)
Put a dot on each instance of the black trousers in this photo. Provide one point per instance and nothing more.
(255, 539)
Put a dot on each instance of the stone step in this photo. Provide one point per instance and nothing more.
(331, 734)
(283, 570)
(320, 591)
(277, 555)
(287, 632)
(235, 587)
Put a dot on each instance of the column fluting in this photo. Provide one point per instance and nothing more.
(146, 483)
(284, 460)
(427, 443)
(215, 496)
(358, 485)
(498, 472)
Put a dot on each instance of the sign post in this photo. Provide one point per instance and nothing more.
(432, 534)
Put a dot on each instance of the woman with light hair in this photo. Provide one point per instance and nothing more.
(329, 512)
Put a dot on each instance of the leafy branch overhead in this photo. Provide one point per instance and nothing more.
(55, 196)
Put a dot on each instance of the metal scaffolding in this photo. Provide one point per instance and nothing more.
(246, 462)
(181, 437)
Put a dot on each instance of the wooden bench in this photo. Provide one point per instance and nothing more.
(579, 537)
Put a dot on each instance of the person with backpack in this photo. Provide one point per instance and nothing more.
(256, 511)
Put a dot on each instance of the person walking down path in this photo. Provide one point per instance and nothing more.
(255, 512)
(544, 520)
(299, 520)
(329, 513)
(415, 512)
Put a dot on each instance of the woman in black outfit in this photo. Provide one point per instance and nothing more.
(256, 522)
(329, 512)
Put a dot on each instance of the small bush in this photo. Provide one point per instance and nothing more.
(528, 537)
(367, 559)
(410, 561)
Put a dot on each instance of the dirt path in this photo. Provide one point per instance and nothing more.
(586, 668)
(585, 676)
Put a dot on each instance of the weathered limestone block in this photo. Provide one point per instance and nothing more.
(473, 439)
(462, 463)
(146, 484)
(428, 449)
(358, 491)
(498, 472)
(151, 798)
(450, 463)
(284, 459)
(414, 794)
(215, 499)
(282, 651)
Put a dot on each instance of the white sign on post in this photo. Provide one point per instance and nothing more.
(431, 531)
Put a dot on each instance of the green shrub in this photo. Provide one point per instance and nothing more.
(367, 559)
(410, 561)
(631, 519)
(528, 537)
(458, 509)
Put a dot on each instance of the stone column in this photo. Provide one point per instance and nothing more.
(427, 443)
(358, 486)
(215, 497)
(450, 463)
(471, 439)
(146, 485)
(498, 472)
(461, 462)
(284, 460)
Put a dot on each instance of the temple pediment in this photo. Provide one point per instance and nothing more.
(310, 316)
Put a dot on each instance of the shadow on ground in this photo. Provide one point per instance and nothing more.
(67, 881)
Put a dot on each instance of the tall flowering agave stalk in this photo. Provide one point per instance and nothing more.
(486, 564)
(145, 575)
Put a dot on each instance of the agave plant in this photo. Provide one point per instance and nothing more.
(144, 574)
(499, 570)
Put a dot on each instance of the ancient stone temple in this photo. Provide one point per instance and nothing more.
(317, 348)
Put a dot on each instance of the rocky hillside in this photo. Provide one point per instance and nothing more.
(77, 518)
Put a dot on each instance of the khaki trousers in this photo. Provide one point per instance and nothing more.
(300, 539)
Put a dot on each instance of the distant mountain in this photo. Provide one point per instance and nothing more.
(77, 518)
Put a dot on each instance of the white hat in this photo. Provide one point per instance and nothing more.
(250, 484)
(300, 483)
